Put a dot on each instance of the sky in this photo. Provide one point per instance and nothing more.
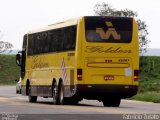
(17, 17)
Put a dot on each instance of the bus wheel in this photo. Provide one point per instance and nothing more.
(31, 98)
(107, 102)
(111, 102)
(116, 102)
(61, 94)
(55, 93)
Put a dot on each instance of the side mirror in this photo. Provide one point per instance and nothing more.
(18, 59)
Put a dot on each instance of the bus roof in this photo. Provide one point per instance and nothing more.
(66, 23)
(56, 25)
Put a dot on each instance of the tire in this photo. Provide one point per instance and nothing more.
(107, 102)
(60, 99)
(116, 102)
(111, 102)
(55, 93)
(32, 99)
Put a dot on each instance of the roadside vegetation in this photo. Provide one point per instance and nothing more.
(9, 71)
(149, 88)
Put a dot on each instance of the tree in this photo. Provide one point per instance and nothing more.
(105, 9)
(4, 46)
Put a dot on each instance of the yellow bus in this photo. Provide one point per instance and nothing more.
(92, 57)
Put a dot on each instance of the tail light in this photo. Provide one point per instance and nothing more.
(79, 74)
(136, 75)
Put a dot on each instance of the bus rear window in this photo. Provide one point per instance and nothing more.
(108, 29)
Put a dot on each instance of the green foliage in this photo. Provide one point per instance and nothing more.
(149, 67)
(9, 71)
(105, 9)
(149, 74)
(149, 88)
(148, 96)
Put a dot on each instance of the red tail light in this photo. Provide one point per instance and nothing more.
(79, 74)
(136, 75)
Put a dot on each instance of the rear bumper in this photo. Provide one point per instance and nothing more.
(100, 91)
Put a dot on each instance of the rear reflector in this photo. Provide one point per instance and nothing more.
(79, 74)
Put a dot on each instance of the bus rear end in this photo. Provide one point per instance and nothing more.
(109, 59)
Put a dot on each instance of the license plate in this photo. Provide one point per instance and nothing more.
(108, 77)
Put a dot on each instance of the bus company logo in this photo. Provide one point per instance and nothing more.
(110, 32)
